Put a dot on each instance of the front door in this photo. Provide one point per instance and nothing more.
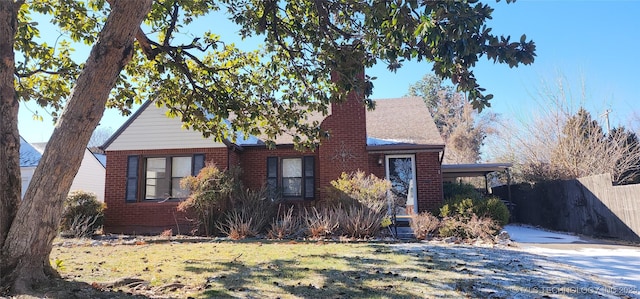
(401, 171)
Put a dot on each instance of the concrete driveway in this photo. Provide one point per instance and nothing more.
(619, 264)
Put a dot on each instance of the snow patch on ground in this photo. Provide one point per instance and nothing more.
(529, 234)
(547, 264)
(616, 263)
(620, 266)
(511, 273)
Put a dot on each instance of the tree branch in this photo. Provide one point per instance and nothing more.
(33, 72)
(172, 25)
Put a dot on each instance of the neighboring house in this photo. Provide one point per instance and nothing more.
(150, 153)
(90, 176)
(29, 158)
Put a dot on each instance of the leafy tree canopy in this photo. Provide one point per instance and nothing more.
(266, 91)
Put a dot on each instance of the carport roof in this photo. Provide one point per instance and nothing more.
(472, 170)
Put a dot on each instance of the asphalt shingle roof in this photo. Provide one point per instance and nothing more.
(29, 156)
(402, 121)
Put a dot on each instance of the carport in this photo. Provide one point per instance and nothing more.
(450, 172)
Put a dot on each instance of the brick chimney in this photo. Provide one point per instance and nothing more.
(344, 149)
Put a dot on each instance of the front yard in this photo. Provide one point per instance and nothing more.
(266, 269)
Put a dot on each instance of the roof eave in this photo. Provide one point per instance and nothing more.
(405, 147)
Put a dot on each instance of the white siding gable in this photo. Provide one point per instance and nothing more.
(152, 129)
(90, 176)
(26, 173)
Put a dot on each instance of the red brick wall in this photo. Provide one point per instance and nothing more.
(375, 168)
(429, 181)
(146, 217)
(345, 148)
(254, 164)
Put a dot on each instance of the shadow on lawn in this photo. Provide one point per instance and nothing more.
(422, 270)
(502, 273)
(63, 288)
(365, 277)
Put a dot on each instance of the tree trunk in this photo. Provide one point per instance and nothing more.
(9, 139)
(30, 239)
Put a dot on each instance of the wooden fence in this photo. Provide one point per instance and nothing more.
(589, 206)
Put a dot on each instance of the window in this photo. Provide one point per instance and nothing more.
(292, 177)
(295, 177)
(160, 176)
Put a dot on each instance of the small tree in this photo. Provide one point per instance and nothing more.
(209, 198)
(461, 126)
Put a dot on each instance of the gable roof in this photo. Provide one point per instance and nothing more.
(29, 155)
(401, 121)
(149, 128)
(40, 147)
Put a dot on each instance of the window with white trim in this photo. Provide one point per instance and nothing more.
(158, 178)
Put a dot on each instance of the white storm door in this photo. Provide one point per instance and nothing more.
(401, 171)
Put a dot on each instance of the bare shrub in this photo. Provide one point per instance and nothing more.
(324, 222)
(82, 214)
(167, 233)
(237, 225)
(252, 211)
(468, 228)
(257, 205)
(82, 226)
(481, 228)
(361, 222)
(285, 226)
(423, 225)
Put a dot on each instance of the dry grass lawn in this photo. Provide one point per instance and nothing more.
(256, 270)
(266, 269)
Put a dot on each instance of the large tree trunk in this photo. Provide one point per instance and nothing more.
(29, 242)
(9, 138)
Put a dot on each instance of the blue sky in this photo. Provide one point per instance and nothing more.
(595, 42)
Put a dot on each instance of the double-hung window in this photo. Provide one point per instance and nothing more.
(158, 178)
(294, 177)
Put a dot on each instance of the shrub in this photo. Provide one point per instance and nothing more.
(458, 191)
(468, 228)
(285, 226)
(82, 214)
(360, 189)
(495, 209)
(361, 221)
(452, 227)
(237, 225)
(463, 207)
(362, 202)
(257, 205)
(209, 197)
(324, 222)
(481, 228)
(492, 208)
(251, 212)
(423, 225)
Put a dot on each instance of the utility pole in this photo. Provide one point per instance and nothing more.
(605, 114)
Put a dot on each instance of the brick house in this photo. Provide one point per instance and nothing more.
(149, 154)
